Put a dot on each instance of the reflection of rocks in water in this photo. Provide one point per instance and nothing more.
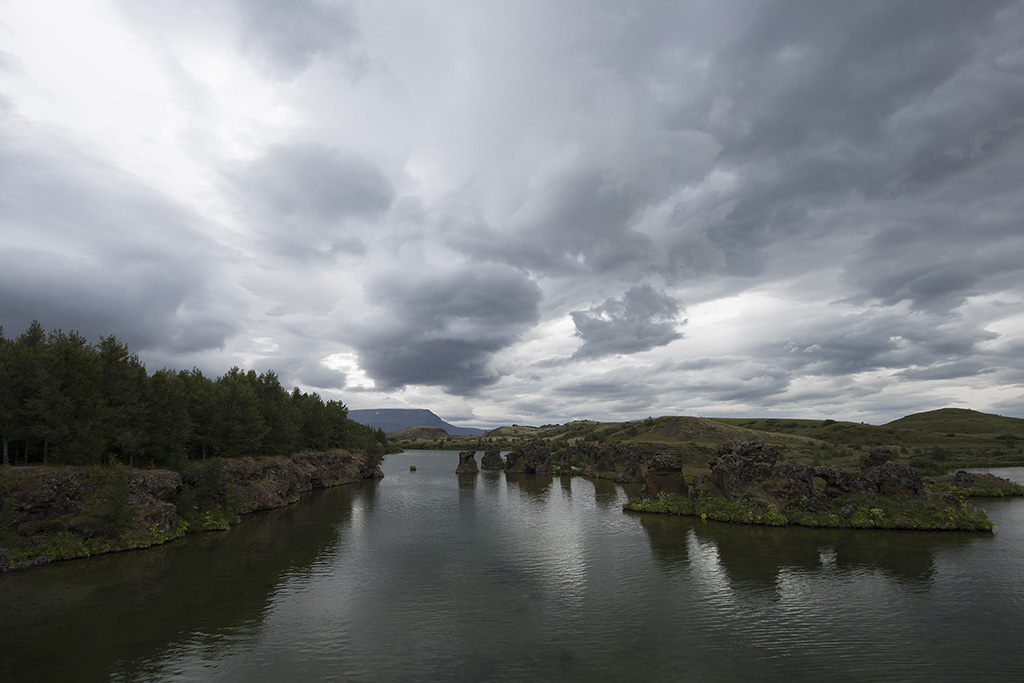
(667, 534)
(467, 481)
(467, 463)
(753, 556)
(534, 485)
(757, 554)
(606, 493)
(566, 485)
(492, 480)
(217, 585)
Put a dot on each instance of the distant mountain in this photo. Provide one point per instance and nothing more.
(394, 419)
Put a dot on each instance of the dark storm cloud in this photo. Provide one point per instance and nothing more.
(445, 329)
(640, 320)
(305, 195)
(870, 99)
(89, 249)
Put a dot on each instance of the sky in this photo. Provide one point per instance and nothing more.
(529, 212)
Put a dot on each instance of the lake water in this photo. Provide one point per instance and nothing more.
(429, 575)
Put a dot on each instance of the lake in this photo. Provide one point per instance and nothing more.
(429, 575)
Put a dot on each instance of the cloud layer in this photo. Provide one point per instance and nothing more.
(530, 212)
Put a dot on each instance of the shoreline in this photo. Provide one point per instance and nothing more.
(50, 514)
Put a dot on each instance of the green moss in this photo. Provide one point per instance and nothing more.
(849, 511)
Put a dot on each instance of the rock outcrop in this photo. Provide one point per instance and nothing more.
(274, 482)
(467, 463)
(633, 468)
(600, 458)
(532, 457)
(664, 475)
(492, 459)
(739, 464)
(46, 499)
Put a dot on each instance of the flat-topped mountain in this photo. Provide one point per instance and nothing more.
(395, 419)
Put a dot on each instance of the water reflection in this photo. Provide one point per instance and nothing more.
(535, 486)
(752, 556)
(132, 607)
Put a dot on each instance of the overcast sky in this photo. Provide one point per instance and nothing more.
(530, 211)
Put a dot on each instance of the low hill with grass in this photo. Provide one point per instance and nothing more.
(418, 433)
(953, 435)
(934, 441)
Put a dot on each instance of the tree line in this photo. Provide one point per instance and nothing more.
(64, 400)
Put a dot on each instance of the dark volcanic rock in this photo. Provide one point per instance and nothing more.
(839, 481)
(877, 456)
(467, 463)
(741, 463)
(897, 479)
(602, 459)
(492, 459)
(531, 458)
(565, 464)
(664, 475)
(633, 469)
(963, 479)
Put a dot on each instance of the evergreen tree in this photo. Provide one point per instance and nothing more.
(167, 423)
(243, 427)
(8, 402)
(122, 385)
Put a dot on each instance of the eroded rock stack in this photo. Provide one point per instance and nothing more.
(492, 459)
(737, 464)
(467, 463)
(532, 457)
(664, 475)
(601, 459)
(741, 463)
(633, 468)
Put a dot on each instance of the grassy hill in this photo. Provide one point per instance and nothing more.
(961, 421)
(948, 434)
(418, 433)
(938, 438)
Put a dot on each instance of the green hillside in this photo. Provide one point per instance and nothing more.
(961, 421)
(933, 441)
(949, 434)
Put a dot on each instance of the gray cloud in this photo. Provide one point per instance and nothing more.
(640, 320)
(833, 189)
(445, 329)
(90, 249)
(305, 196)
(285, 38)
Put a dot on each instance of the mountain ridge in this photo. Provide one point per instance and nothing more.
(395, 419)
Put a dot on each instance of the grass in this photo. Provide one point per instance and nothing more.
(848, 511)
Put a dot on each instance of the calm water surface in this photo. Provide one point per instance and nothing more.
(430, 575)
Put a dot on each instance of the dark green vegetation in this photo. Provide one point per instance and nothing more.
(856, 511)
(66, 401)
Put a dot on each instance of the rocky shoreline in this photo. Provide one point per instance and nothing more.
(56, 513)
(747, 484)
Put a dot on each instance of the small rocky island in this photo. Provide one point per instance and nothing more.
(748, 484)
